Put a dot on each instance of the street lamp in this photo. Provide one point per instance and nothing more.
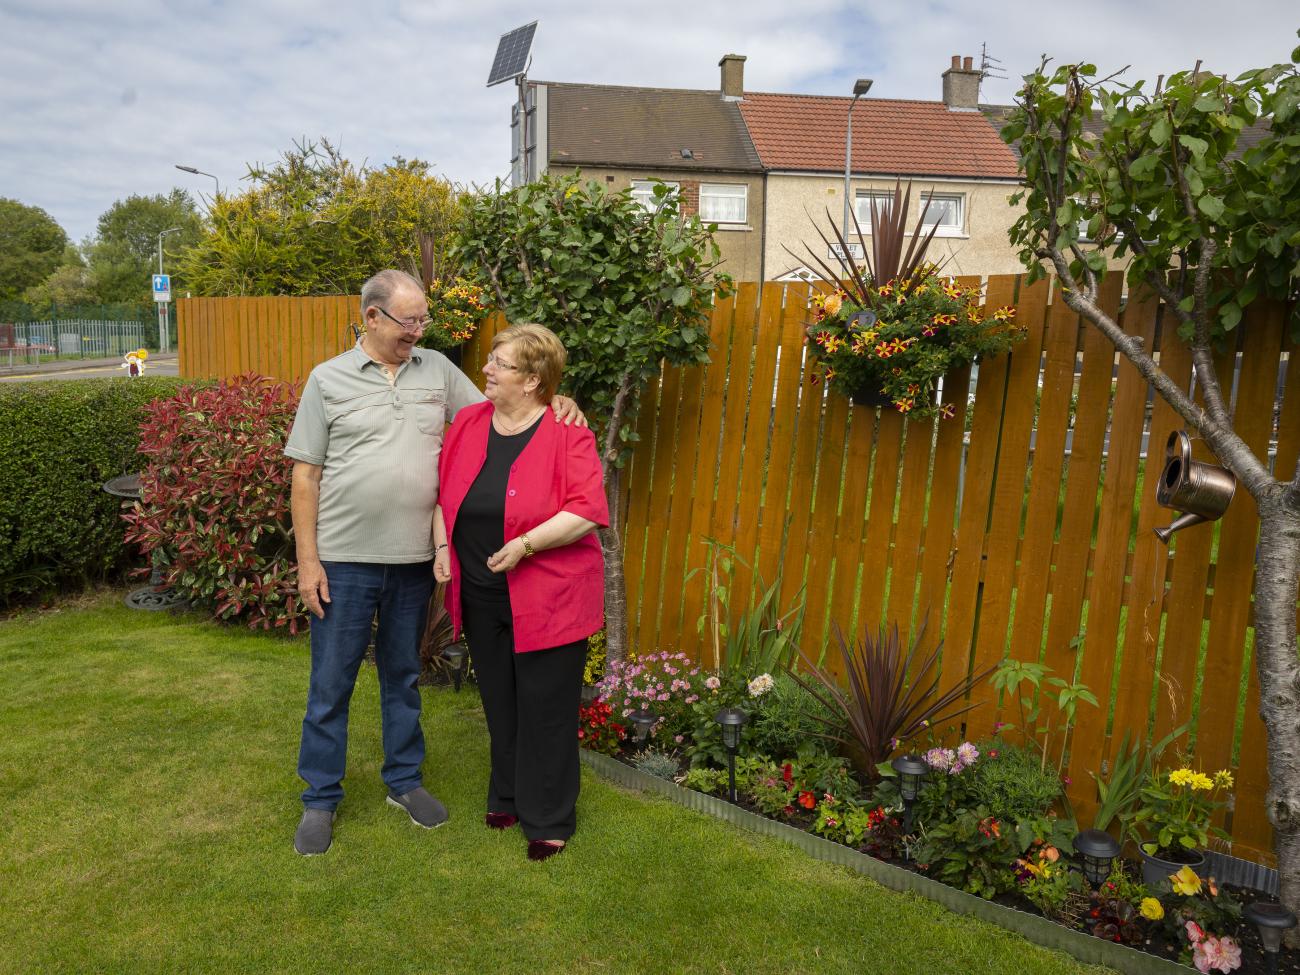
(162, 305)
(1098, 850)
(1273, 921)
(169, 230)
(199, 172)
(860, 88)
(731, 720)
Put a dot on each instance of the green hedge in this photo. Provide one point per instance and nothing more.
(59, 443)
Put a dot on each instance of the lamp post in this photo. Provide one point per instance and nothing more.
(455, 653)
(731, 720)
(911, 774)
(860, 88)
(1273, 922)
(199, 172)
(162, 305)
(1098, 850)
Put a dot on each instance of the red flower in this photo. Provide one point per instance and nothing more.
(787, 774)
(807, 799)
(788, 810)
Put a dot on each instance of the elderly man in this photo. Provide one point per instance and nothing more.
(365, 443)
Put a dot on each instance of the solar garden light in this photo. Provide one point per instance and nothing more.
(731, 720)
(1098, 850)
(454, 654)
(643, 723)
(1273, 922)
(911, 775)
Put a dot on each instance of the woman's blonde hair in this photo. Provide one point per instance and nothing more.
(538, 352)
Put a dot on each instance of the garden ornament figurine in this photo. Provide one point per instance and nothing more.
(134, 364)
(1200, 491)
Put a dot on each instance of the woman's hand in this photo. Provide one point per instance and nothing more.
(507, 557)
(442, 565)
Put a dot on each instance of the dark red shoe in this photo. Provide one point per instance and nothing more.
(500, 820)
(544, 849)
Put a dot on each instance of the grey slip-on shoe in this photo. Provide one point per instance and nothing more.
(423, 808)
(315, 832)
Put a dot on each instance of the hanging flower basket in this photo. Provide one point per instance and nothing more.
(456, 309)
(891, 345)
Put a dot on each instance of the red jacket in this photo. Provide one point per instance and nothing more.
(557, 596)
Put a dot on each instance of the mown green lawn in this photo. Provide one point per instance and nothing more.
(148, 800)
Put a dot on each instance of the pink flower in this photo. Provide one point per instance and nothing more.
(1194, 932)
(1216, 954)
(712, 683)
(679, 738)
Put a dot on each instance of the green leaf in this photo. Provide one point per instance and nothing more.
(1160, 131)
(1211, 206)
(1194, 145)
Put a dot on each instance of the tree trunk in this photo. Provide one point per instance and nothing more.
(1278, 669)
(611, 544)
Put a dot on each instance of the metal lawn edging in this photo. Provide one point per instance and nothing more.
(1040, 930)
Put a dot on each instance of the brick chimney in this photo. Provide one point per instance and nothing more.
(733, 76)
(961, 86)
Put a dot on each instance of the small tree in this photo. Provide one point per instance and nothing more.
(312, 223)
(1209, 228)
(625, 290)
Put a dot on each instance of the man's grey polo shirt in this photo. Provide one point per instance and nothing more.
(378, 443)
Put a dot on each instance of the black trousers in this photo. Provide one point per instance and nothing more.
(531, 702)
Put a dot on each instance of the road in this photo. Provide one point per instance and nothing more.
(78, 369)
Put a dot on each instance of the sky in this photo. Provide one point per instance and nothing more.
(100, 99)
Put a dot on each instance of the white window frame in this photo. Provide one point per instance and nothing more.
(725, 191)
(955, 228)
(862, 206)
(643, 192)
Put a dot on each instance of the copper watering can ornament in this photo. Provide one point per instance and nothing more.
(1200, 491)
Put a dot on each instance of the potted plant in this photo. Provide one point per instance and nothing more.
(1172, 824)
(886, 336)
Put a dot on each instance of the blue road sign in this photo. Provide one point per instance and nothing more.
(162, 287)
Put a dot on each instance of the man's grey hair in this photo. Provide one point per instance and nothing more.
(380, 288)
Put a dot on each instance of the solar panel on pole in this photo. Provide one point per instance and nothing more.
(512, 54)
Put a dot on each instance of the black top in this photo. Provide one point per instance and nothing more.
(480, 523)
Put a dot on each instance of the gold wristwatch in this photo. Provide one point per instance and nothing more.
(528, 547)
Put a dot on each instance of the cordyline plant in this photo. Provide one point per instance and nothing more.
(625, 290)
(214, 499)
(892, 696)
(1209, 223)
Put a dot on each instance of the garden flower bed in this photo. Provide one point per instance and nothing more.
(978, 826)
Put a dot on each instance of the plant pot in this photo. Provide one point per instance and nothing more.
(1155, 869)
(865, 394)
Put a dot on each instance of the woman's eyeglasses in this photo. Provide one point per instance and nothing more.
(494, 361)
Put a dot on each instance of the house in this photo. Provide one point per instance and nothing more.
(768, 168)
(695, 141)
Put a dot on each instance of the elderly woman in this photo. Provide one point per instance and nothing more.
(519, 501)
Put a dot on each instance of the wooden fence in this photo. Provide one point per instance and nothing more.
(1021, 526)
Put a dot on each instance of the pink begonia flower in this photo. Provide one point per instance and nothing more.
(1216, 954)
(712, 683)
(1194, 932)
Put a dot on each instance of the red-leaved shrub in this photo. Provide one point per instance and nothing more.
(215, 496)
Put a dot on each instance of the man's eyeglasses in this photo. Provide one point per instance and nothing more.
(410, 325)
(494, 361)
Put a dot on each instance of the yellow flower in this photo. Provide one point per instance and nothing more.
(1202, 782)
(1186, 882)
(833, 303)
(1181, 776)
(1223, 779)
(1151, 909)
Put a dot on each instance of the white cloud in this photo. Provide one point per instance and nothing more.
(99, 101)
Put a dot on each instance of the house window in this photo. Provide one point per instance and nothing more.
(945, 210)
(724, 202)
(643, 191)
(884, 203)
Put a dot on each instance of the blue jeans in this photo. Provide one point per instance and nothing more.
(399, 594)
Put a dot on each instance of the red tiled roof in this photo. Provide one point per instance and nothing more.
(909, 138)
